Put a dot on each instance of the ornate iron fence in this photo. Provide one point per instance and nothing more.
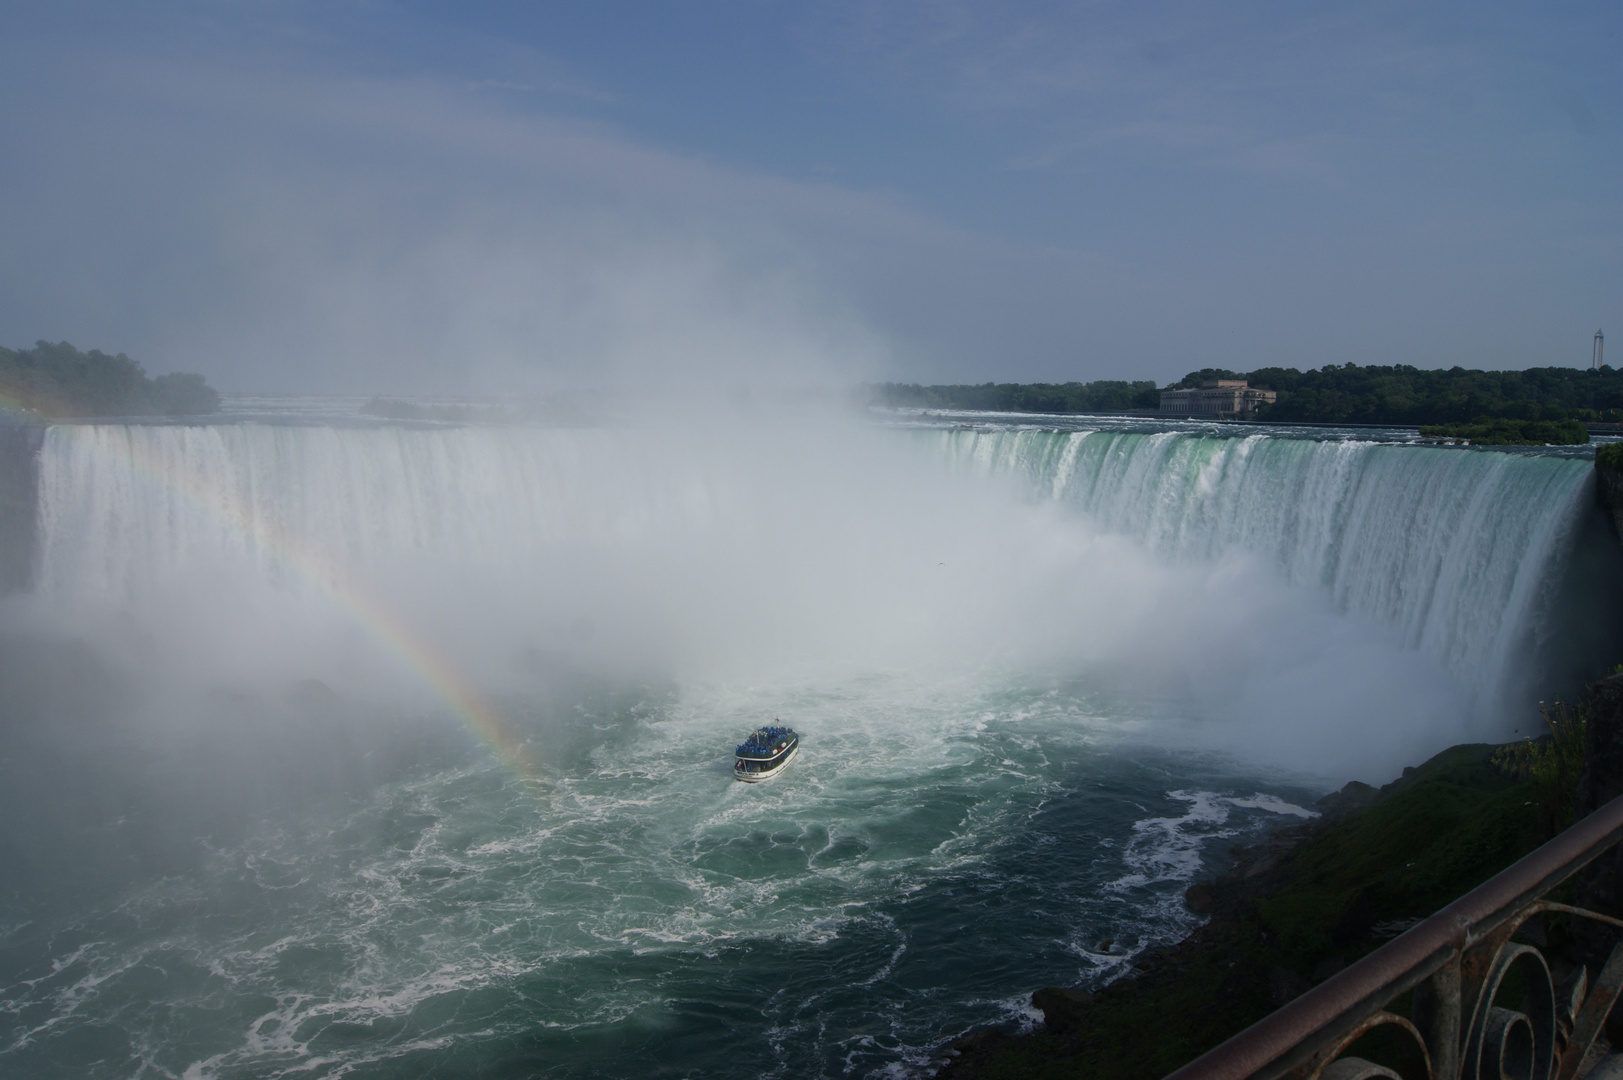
(1461, 966)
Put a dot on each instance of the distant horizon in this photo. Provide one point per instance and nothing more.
(452, 395)
(875, 380)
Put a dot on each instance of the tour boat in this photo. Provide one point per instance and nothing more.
(765, 753)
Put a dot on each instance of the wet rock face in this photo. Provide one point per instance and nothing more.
(1602, 778)
(1062, 1008)
(1609, 492)
(19, 495)
(978, 1041)
(1355, 796)
(1600, 886)
(1285, 986)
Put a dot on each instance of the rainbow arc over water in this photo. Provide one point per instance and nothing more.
(369, 610)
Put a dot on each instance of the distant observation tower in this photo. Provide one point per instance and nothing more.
(1600, 351)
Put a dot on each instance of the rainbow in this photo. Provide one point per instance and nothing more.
(368, 610)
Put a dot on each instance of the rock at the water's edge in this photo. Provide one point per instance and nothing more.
(1609, 492)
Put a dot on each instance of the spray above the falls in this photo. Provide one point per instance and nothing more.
(1313, 588)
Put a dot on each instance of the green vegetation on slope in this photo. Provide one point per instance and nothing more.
(1441, 831)
(1513, 432)
(1551, 764)
(60, 381)
(1297, 909)
(1610, 457)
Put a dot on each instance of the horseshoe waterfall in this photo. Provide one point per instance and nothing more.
(334, 747)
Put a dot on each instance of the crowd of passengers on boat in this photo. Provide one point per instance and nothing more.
(766, 742)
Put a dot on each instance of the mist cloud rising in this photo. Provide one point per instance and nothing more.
(312, 233)
(777, 557)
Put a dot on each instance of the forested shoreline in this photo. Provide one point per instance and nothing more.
(1400, 395)
(1071, 397)
(60, 381)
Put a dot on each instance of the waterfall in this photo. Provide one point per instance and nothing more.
(121, 504)
(1459, 551)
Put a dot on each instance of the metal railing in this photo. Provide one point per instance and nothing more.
(1456, 963)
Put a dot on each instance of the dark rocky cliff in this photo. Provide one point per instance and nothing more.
(19, 496)
(1609, 484)
(1601, 885)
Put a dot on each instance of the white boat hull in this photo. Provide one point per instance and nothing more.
(766, 774)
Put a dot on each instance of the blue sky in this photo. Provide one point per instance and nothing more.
(475, 198)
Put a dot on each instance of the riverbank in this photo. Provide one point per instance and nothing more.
(1293, 911)
(1310, 900)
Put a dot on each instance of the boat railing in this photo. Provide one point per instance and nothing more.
(1453, 967)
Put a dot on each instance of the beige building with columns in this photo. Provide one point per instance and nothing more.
(1224, 399)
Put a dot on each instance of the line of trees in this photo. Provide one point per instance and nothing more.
(1401, 394)
(60, 381)
(1502, 432)
(1345, 394)
(1071, 397)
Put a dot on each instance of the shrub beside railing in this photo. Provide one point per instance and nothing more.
(1471, 992)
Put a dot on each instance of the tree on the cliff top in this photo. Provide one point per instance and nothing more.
(60, 381)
